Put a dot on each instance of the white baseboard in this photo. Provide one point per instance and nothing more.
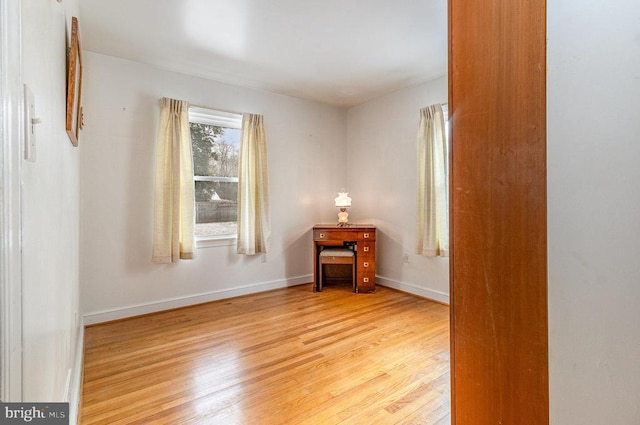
(74, 381)
(431, 294)
(167, 304)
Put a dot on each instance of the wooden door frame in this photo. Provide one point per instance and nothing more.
(498, 264)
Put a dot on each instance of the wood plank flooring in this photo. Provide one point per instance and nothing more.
(289, 356)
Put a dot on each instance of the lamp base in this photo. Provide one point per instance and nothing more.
(343, 217)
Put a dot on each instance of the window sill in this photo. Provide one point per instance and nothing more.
(213, 241)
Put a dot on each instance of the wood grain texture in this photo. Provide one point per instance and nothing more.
(288, 356)
(497, 104)
(364, 237)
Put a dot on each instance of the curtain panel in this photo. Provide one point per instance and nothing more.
(254, 230)
(173, 215)
(433, 194)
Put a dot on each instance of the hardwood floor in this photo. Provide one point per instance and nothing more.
(289, 356)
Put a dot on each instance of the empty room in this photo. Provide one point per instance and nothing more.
(341, 113)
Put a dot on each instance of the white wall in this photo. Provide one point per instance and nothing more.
(307, 165)
(50, 213)
(594, 211)
(382, 179)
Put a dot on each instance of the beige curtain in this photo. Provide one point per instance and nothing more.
(433, 194)
(173, 216)
(253, 188)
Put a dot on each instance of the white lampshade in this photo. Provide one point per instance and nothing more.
(343, 200)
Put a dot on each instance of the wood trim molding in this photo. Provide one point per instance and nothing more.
(110, 315)
(11, 151)
(497, 105)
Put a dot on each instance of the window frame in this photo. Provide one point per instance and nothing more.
(201, 115)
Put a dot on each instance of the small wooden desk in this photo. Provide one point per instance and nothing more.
(362, 237)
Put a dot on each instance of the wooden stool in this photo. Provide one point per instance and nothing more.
(337, 256)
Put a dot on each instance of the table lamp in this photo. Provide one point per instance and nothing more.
(343, 201)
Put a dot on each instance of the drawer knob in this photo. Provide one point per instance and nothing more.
(366, 264)
(366, 236)
(322, 235)
(365, 249)
(365, 280)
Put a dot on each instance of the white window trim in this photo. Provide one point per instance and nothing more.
(214, 117)
(218, 118)
(215, 241)
(11, 149)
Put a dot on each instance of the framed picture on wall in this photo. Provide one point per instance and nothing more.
(74, 84)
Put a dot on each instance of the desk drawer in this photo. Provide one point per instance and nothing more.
(366, 268)
(344, 235)
(367, 249)
(366, 282)
(367, 235)
(334, 235)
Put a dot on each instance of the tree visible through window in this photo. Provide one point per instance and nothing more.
(215, 138)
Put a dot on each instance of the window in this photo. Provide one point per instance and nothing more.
(215, 140)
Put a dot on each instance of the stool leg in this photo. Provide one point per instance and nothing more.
(320, 278)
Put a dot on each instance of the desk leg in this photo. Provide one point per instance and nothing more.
(315, 267)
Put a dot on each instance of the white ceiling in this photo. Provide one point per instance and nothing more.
(341, 52)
